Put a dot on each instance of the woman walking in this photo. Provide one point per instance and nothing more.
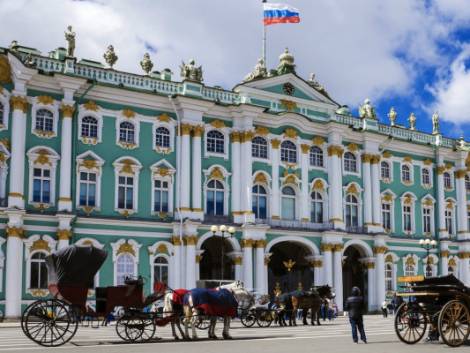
(355, 307)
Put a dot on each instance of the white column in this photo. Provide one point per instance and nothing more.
(317, 271)
(327, 264)
(335, 179)
(177, 283)
(376, 198)
(260, 272)
(366, 174)
(371, 285)
(275, 200)
(247, 263)
(380, 274)
(64, 230)
(198, 212)
(65, 200)
(237, 261)
(236, 177)
(338, 275)
(462, 223)
(14, 264)
(305, 209)
(185, 169)
(18, 136)
(246, 183)
(441, 204)
(190, 261)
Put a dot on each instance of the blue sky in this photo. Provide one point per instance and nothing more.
(410, 54)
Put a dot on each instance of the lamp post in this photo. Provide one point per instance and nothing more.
(222, 229)
(428, 244)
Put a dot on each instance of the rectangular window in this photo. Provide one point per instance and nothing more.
(449, 223)
(407, 225)
(160, 196)
(426, 220)
(288, 208)
(126, 192)
(41, 185)
(386, 216)
(87, 189)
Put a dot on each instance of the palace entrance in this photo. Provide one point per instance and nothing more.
(211, 262)
(354, 272)
(289, 268)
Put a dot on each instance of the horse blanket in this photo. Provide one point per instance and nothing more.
(178, 296)
(213, 302)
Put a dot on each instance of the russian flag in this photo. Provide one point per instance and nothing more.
(280, 13)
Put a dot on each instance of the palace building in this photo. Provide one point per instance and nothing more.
(144, 165)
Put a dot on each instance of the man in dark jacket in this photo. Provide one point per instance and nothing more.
(355, 307)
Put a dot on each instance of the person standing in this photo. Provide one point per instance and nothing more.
(355, 307)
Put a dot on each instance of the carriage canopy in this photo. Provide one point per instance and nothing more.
(75, 265)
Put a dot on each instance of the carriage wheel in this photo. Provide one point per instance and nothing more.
(454, 323)
(203, 322)
(130, 329)
(148, 330)
(49, 323)
(410, 323)
(248, 319)
(265, 318)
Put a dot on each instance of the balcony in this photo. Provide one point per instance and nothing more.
(294, 224)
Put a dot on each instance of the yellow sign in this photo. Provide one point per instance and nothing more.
(403, 279)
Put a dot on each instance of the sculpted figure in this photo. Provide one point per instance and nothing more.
(146, 63)
(110, 56)
(367, 110)
(190, 72)
(412, 121)
(435, 123)
(258, 72)
(70, 38)
(392, 115)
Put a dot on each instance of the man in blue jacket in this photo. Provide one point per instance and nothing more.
(355, 307)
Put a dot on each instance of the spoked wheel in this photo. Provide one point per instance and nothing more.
(248, 319)
(148, 330)
(203, 322)
(130, 329)
(49, 323)
(264, 318)
(410, 323)
(454, 323)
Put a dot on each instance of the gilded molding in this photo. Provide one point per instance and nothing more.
(327, 247)
(375, 159)
(216, 173)
(259, 243)
(45, 100)
(459, 174)
(464, 255)
(237, 260)
(441, 169)
(91, 106)
(175, 240)
(318, 185)
(275, 143)
(387, 154)
(369, 265)
(5, 70)
(335, 150)
(290, 132)
(338, 247)
(64, 234)
(15, 194)
(261, 130)
(198, 259)
(67, 110)
(366, 158)
(316, 264)
(190, 240)
(19, 103)
(125, 248)
(288, 104)
(427, 161)
(164, 118)
(318, 141)
(260, 178)
(198, 130)
(128, 113)
(186, 129)
(235, 136)
(247, 243)
(40, 244)
(305, 148)
(352, 147)
(408, 159)
(380, 249)
(14, 232)
(218, 124)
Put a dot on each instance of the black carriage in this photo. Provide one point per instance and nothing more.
(54, 321)
(440, 303)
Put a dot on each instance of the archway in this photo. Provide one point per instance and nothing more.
(289, 267)
(354, 271)
(211, 262)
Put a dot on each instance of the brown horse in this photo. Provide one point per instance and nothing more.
(310, 300)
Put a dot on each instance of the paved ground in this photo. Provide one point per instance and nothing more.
(330, 337)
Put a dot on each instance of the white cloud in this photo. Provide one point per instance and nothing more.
(452, 91)
(358, 49)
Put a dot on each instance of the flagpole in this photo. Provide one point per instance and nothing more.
(264, 40)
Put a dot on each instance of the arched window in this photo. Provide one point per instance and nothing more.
(428, 269)
(161, 192)
(350, 162)
(316, 212)
(385, 170)
(44, 120)
(126, 132)
(125, 267)
(405, 173)
(41, 185)
(259, 147)
(215, 142)
(407, 218)
(387, 216)
(288, 203)
(215, 198)
(447, 181)
(409, 270)
(162, 137)
(425, 176)
(427, 219)
(259, 202)
(316, 156)
(449, 216)
(89, 127)
(288, 152)
(352, 211)
(38, 274)
(2, 113)
(160, 270)
(388, 277)
(467, 183)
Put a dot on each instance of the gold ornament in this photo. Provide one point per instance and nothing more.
(128, 113)
(43, 158)
(275, 143)
(127, 166)
(380, 249)
(318, 185)
(92, 106)
(5, 70)
(291, 133)
(198, 130)
(261, 130)
(352, 189)
(45, 100)
(305, 148)
(246, 243)
(410, 261)
(427, 161)
(260, 178)
(89, 163)
(64, 234)
(352, 147)
(318, 141)
(235, 136)
(288, 104)
(217, 174)
(40, 244)
(289, 264)
(16, 232)
(218, 124)
(67, 110)
(19, 103)
(441, 169)
(387, 154)
(335, 151)
(125, 248)
(164, 118)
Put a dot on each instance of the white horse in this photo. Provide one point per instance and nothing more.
(244, 298)
(175, 312)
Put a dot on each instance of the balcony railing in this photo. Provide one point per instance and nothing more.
(294, 224)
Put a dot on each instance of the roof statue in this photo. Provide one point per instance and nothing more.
(258, 72)
(110, 56)
(13, 45)
(412, 121)
(70, 38)
(343, 110)
(190, 72)
(286, 63)
(392, 115)
(146, 64)
(367, 110)
(312, 81)
(435, 124)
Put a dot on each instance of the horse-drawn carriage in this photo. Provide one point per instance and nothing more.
(53, 322)
(441, 302)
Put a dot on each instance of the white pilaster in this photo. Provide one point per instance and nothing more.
(236, 177)
(376, 197)
(246, 177)
(380, 273)
(65, 200)
(275, 200)
(197, 209)
(190, 261)
(260, 272)
(14, 264)
(248, 263)
(177, 283)
(441, 205)
(335, 177)
(317, 263)
(366, 177)
(371, 292)
(338, 275)
(185, 170)
(328, 264)
(64, 230)
(305, 209)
